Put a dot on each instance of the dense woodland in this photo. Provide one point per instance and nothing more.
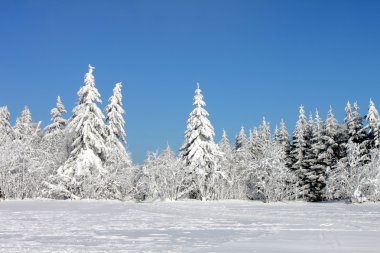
(84, 156)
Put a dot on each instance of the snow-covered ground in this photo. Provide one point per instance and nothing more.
(189, 226)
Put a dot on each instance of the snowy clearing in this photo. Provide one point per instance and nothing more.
(188, 226)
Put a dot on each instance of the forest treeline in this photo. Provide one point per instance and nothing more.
(84, 156)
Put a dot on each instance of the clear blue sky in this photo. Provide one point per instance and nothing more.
(252, 58)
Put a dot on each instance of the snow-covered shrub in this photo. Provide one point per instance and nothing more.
(24, 162)
(352, 180)
(268, 178)
(160, 177)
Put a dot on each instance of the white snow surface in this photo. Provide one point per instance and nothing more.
(188, 226)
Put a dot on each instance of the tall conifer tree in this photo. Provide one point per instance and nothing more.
(199, 151)
(88, 149)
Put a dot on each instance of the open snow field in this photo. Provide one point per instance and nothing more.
(189, 226)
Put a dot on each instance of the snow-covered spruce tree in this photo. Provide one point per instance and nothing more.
(315, 179)
(242, 154)
(316, 139)
(348, 126)
(297, 160)
(298, 145)
(311, 125)
(305, 174)
(253, 143)
(58, 123)
(240, 140)
(276, 133)
(84, 167)
(264, 131)
(241, 146)
(343, 133)
(346, 133)
(6, 131)
(356, 131)
(348, 118)
(226, 190)
(263, 140)
(6, 139)
(224, 144)
(264, 137)
(54, 139)
(282, 135)
(118, 160)
(24, 126)
(115, 113)
(358, 134)
(199, 152)
(329, 132)
(373, 126)
(331, 124)
(325, 148)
